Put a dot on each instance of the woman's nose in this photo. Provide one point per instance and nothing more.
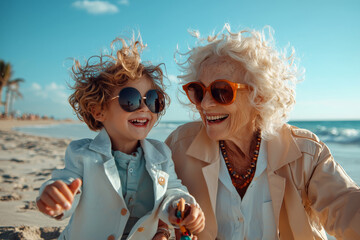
(207, 102)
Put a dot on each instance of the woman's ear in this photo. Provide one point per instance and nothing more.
(98, 113)
(259, 100)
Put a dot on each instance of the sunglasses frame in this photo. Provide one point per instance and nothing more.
(234, 86)
(142, 98)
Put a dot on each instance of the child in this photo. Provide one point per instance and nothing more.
(118, 185)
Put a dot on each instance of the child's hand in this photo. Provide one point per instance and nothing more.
(178, 235)
(194, 219)
(162, 232)
(58, 197)
(160, 236)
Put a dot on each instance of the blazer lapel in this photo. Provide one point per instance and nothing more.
(211, 175)
(283, 150)
(152, 155)
(207, 150)
(277, 190)
(112, 174)
(102, 144)
(154, 158)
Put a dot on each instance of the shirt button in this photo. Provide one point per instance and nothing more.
(134, 154)
(240, 219)
(141, 229)
(131, 170)
(123, 211)
(111, 237)
(161, 180)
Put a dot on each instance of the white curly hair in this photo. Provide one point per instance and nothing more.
(272, 74)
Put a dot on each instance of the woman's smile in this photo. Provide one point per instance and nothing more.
(216, 118)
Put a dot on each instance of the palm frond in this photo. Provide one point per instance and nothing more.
(15, 81)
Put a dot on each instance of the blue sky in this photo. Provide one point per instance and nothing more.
(38, 38)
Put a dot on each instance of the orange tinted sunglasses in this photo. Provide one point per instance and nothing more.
(221, 90)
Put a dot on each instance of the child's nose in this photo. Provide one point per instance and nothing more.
(143, 107)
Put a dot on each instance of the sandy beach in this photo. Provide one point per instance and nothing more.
(25, 163)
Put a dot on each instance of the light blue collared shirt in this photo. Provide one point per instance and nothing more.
(136, 184)
(251, 217)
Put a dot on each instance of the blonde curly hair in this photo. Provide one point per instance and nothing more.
(271, 74)
(97, 79)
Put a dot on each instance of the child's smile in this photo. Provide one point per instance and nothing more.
(139, 122)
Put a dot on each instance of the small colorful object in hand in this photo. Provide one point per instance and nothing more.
(185, 238)
(185, 234)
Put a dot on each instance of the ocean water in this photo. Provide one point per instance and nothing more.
(342, 137)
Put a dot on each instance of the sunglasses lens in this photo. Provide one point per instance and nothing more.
(129, 99)
(195, 92)
(222, 92)
(155, 101)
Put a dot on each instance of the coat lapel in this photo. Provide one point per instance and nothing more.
(102, 144)
(211, 175)
(277, 190)
(282, 150)
(207, 150)
(151, 153)
(154, 158)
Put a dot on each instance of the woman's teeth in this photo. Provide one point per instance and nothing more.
(217, 117)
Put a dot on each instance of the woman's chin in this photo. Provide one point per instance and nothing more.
(216, 130)
(215, 134)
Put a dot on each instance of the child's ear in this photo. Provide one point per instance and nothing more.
(98, 113)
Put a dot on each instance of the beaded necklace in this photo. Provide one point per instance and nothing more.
(250, 172)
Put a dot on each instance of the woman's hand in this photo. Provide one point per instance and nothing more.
(194, 219)
(57, 197)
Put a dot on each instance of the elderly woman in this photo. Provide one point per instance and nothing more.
(255, 176)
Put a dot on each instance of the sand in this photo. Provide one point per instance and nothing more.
(25, 163)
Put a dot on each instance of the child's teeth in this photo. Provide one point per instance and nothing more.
(139, 121)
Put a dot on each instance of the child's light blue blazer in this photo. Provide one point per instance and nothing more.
(99, 210)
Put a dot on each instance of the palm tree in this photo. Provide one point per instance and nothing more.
(12, 87)
(12, 93)
(5, 74)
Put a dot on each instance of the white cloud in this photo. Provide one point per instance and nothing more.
(35, 87)
(53, 87)
(52, 92)
(124, 2)
(96, 7)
